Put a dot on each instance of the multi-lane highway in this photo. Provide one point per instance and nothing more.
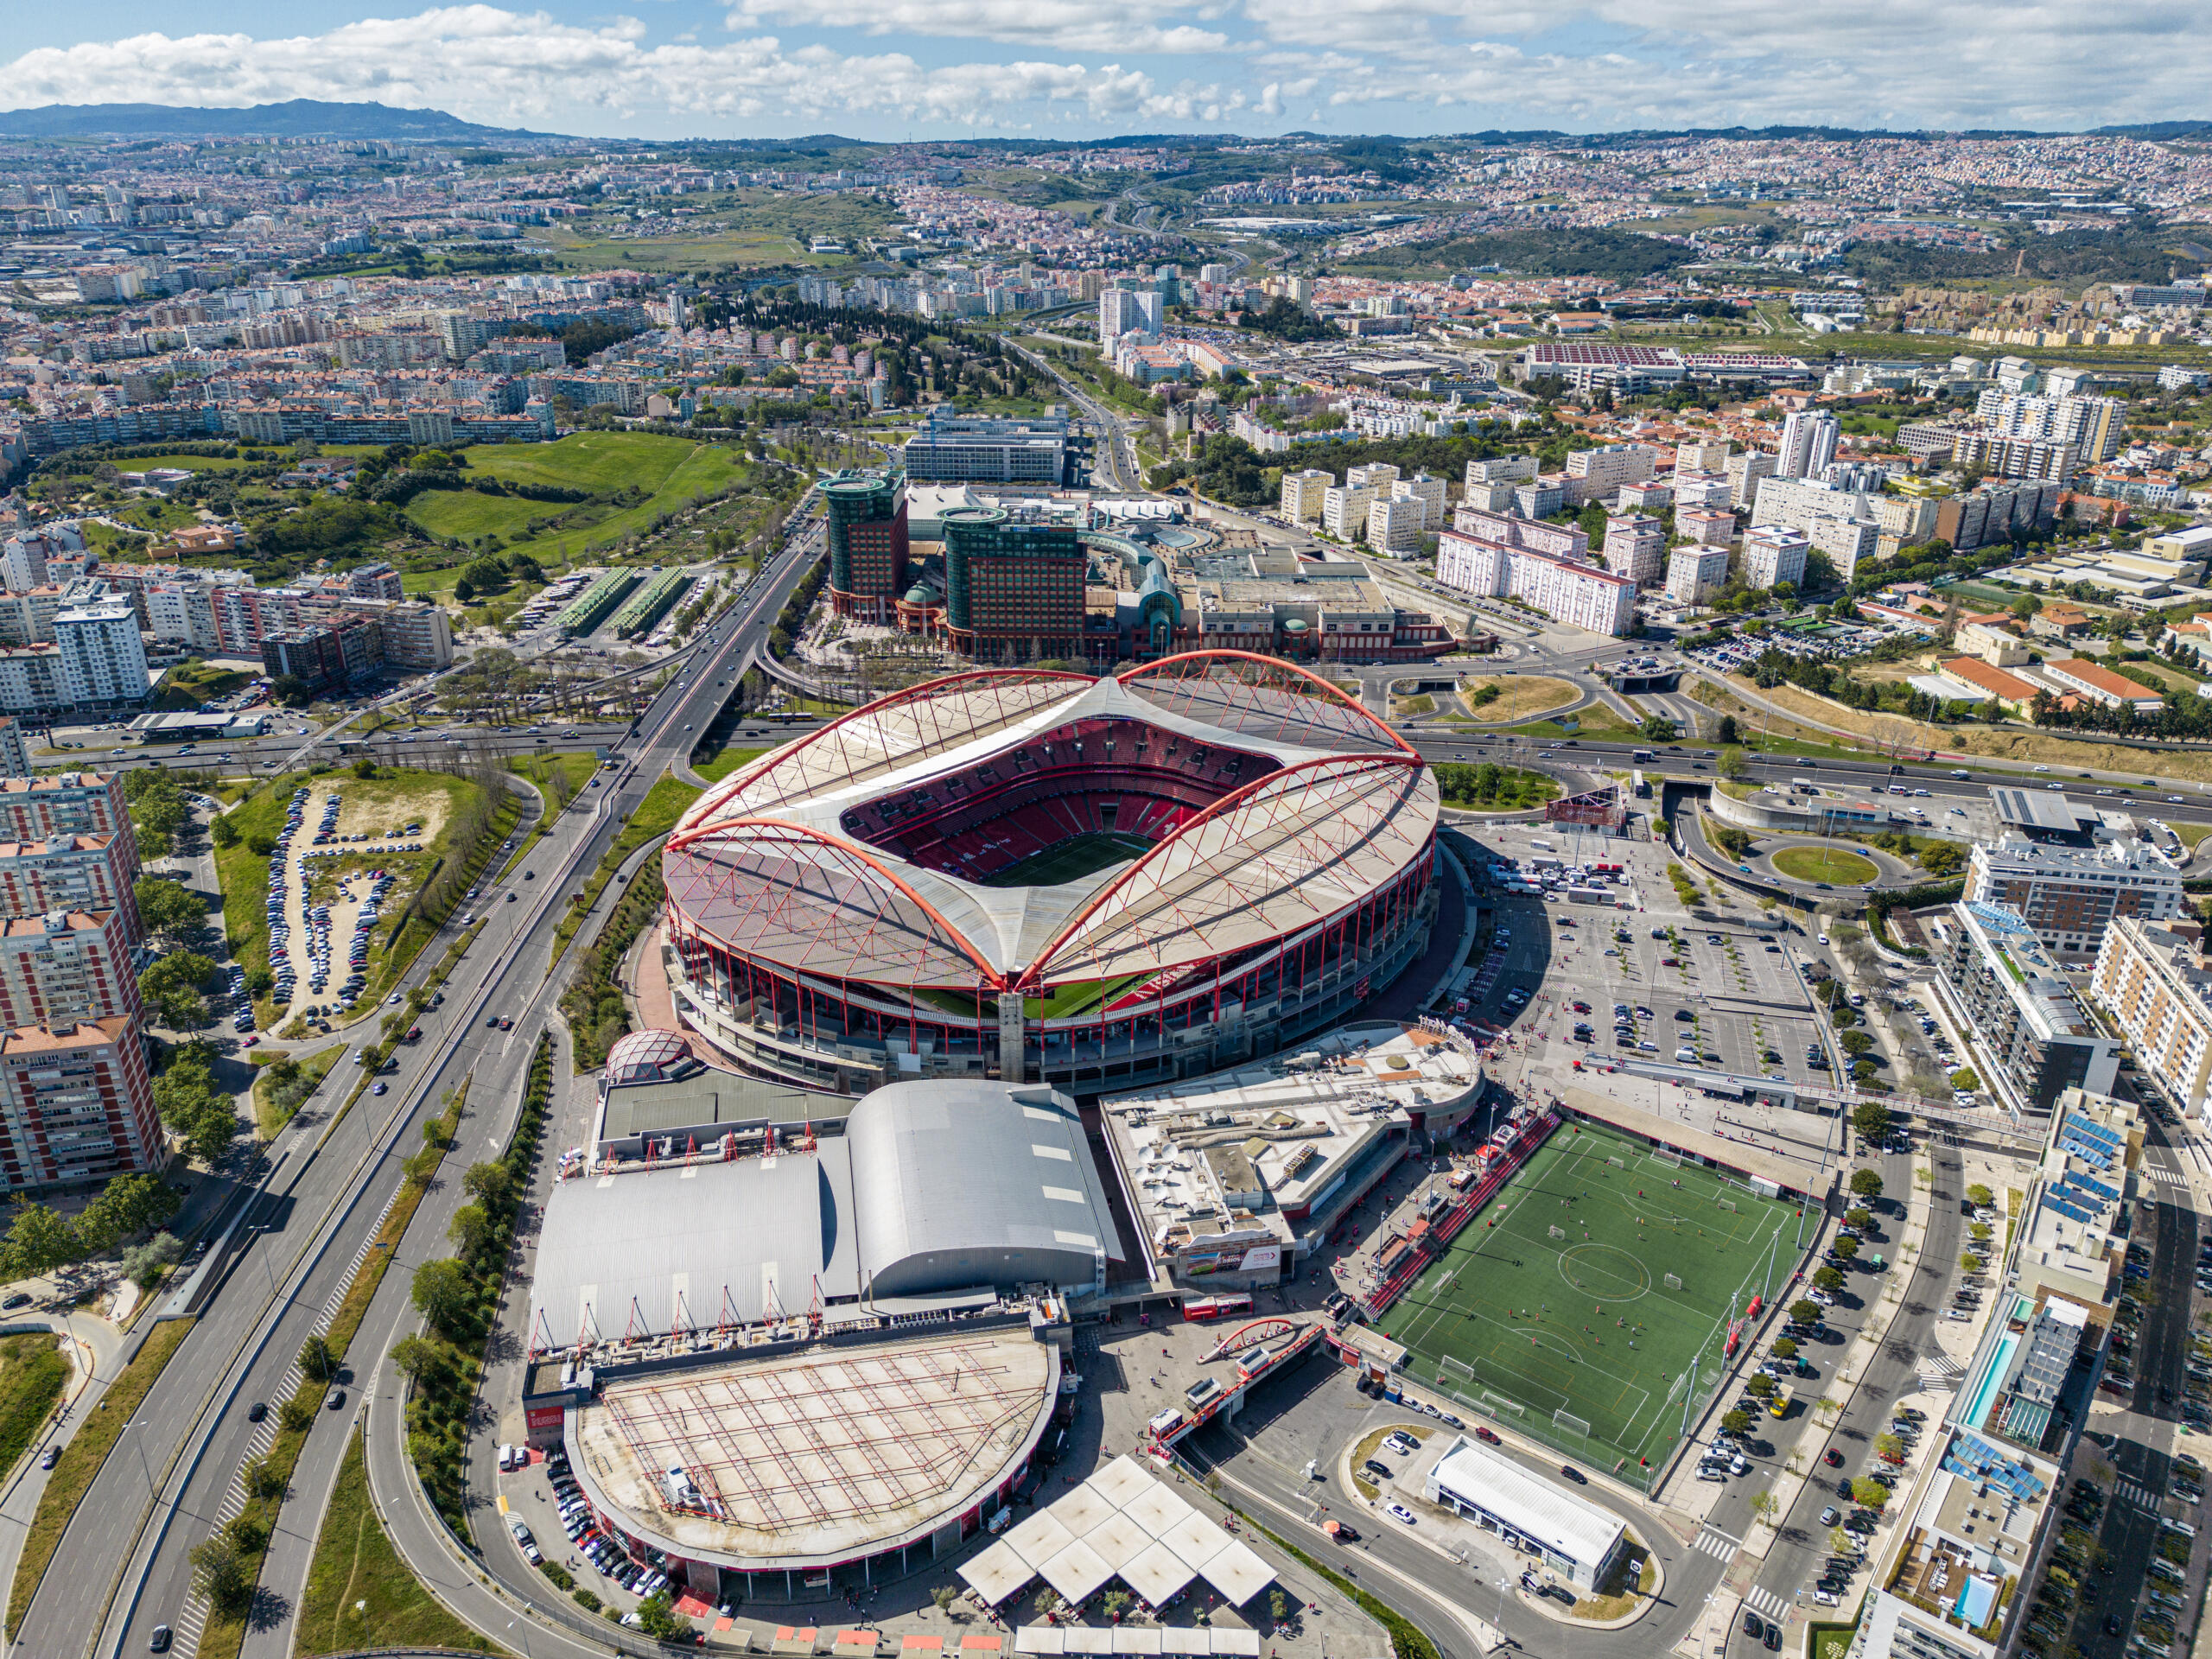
(123, 1565)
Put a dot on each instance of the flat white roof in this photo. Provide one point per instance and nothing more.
(1528, 1503)
(996, 1573)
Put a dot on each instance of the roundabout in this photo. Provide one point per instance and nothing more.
(1829, 864)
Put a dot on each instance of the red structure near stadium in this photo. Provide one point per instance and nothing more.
(1039, 876)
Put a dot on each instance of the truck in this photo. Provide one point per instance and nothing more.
(1777, 1404)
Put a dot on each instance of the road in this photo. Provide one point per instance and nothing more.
(328, 1184)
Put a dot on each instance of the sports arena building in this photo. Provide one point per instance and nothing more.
(1033, 876)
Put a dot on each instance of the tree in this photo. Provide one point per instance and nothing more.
(219, 1573)
(180, 974)
(1964, 1078)
(489, 1184)
(657, 1618)
(143, 1264)
(38, 1241)
(1727, 731)
(316, 1360)
(1785, 1347)
(1872, 1119)
(1855, 1043)
(470, 1230)
(441, 1295)
(1657, 728)
(127, 1204)
(1870, 1493)
(1970, 1262)
(169, 906)
(1867, 1183)
(1736, 1422)
(1860, 1218)
(1979, 1195)
(294, 692)
(1888, 1445)
(1733, 765)
(1828, 1279)
(1766, 1506)
(222, 831)
(264, 1480)
(417, 1358)
(1805, 1312)
(943, 1597)
(1846, 1247)
(1762, 1385)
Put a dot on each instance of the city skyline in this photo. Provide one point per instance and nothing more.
(947, 69)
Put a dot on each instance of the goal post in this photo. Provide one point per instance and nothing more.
(1728, 1204)
(1569, 1420)
(1672, 1159)
(1559, 1232)
(1672, 1281)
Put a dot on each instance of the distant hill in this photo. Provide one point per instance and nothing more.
(302, 118)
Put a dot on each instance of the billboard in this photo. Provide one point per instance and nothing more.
(1262, 1258)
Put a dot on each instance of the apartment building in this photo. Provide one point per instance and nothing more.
(1395, 524)
(27, 618)
(1774, 554)
(1696, 573)
(1593, 474)
(1303, 493)
(1544, 565)
(1501, 469)
(76, 1105)
(2066, 894)
(2032, 1039)
(1995, 512)
(64, 965)
(15, 753)
(79, 872)
(2155, 983)
(1954, 1580)
(1809, 437)
(1707, 526)
(66, 804)
(102, 658)
(1344, 510)
(1701, 490)
(1428, 490)
(1995, 455)
(1702, 455)
(1636, 547)
(1744, 474)
(2092, 425)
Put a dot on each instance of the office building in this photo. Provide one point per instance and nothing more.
(866, 517)
(1013, 591)
(1809, 442)
(1636, 547)
(102, 658)
(71, 873)
(64, 965)
(1696, 573)
(76, 1105)
(2093, 680)
(1049, 452)
(2032, 1037)
(1546, 566)
(1774, 554)
(2154, 983)
(2067, 895)
(1303, 493)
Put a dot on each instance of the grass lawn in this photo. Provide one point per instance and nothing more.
(599, 461)
(1520, 1324)
(468, 515)
(577, 765)
(1825, 864)
(724, 762)
(1070, 860)
(32, 1373)
(656, 816)
(192, 682)
(1597, 721)
(81, 1461)
(267, 1120)
(359, 1594)
(1460, 784)
(1519, 696)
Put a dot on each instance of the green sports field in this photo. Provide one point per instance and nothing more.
(1545, 1333)
(1071, 860)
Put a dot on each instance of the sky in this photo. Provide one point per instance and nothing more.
(893, 70)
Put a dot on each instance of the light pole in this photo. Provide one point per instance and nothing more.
(139, 1441)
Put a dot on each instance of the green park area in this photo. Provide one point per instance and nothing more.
(1830, 864)
(1578, 1305)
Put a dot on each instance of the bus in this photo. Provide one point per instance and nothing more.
(1200, 1309)
(1777, 1404)
(1639, 754)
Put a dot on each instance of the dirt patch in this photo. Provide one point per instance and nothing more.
(1520, 696)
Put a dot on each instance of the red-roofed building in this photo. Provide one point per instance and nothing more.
(76, 1104)
(2095, 681)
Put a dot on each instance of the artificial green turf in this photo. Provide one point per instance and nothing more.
(1537, 1320)
(1071, 860)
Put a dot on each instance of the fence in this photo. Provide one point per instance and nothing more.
(1561, 1431)
(1447, 1226)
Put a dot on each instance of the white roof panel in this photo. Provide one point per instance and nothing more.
(1082, 1511)
(1118, 1541)
(1090, 1638)
(1156, 1575)
(1075, 1572)
(996, 1573)
(1039, 1539)
(1195, 1539)
(1532, 1506)
(1129, 1639)
(1040, 1639)
(1238, 1574)
(1121, 1483)
(1156, 1508)
(1228, 1638)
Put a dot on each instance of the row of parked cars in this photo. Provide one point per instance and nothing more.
(582, 1527)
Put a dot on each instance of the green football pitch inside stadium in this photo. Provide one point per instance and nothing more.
(1071, 860)
(1576, 1300)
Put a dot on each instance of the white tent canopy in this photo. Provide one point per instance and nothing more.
(1076, 1572)
(1157, 1573)
(996, 1573)
(1238, 1574)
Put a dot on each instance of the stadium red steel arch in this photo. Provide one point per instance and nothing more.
(927, 691)
(1334, 692)
(1250, 1336)
(769, 829)
(1234, 800)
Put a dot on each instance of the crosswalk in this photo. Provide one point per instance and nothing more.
(1939, 1373)
(1762, 1600)
(2136, 1492)
(2167, 1177)
(192, 1617)
(1719, 1544)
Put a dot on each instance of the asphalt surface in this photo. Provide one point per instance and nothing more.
(112, 1580)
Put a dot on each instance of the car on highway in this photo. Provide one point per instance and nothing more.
(334, 1399)
(257, 1411)
(1833, 1457)
(19, 1299)
(159, 1641)
(46, 1459)
(1575, 1474)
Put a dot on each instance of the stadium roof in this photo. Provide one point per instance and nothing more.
(764, 862)
(933, 1188)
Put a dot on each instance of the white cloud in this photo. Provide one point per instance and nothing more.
(1405, 64)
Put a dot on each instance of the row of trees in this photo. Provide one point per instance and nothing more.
(39, 1241)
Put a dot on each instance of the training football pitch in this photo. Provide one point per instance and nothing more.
(1573, 1304)
(1071, 860)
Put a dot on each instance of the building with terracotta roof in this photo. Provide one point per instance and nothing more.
(76, 1104)
(66, 804)
(2099, 683)
(66, 965)
(70, 873)
(2010, 690)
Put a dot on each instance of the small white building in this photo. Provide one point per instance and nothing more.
(1529, 1512)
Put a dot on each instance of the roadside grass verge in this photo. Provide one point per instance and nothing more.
(723, 762)
(79, 1463)
(270, 1113)
(33, 1373)
(655, 817)
(360, 1597)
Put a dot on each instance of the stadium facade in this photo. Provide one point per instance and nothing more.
(1032, 875)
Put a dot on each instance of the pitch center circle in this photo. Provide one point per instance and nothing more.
(1606, 1271)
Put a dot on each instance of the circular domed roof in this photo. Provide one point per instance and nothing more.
(645, 1057)
(922, 594)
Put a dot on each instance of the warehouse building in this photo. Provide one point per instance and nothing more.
(1575, 1538)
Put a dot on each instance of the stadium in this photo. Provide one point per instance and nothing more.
(1038, 876)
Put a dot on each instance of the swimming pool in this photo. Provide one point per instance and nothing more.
(1999, 1367)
